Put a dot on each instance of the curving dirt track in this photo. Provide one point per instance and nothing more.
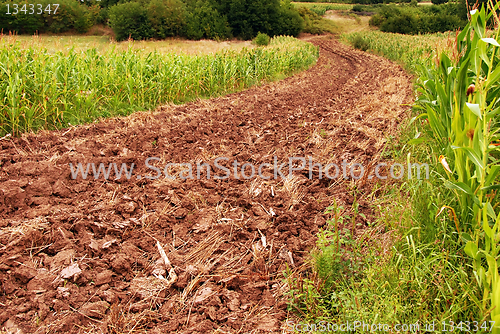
(81, 256)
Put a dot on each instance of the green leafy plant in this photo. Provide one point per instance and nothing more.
(459, 99)
(360, 44)
(261, 39)
(338, 258)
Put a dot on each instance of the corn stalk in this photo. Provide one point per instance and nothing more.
(460, 102)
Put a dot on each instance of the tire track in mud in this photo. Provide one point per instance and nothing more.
(228, 241)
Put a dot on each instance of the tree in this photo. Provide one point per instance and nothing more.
(167, 17)
(272, 17)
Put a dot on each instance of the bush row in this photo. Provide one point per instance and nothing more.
(416, 20)
(70, 15)
(196, 19)
(144, 19)
(166, 18)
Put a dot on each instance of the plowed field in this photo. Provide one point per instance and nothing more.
(80, 256)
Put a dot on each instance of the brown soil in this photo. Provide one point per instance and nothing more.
(81, 256)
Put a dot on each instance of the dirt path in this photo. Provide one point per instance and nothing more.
(81, 255)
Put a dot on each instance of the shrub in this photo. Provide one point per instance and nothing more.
(130, 20)
(405, 23)
(376, 20)
(70, 15)
(360, 44)
(20, 23)
(415, 20)
(262, 39)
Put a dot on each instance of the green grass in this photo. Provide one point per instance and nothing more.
(44, 89)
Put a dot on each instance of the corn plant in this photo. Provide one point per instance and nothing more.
(410, 51)
(460, 102)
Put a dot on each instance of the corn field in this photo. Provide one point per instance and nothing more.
(458, 87)
(408, 50)
(459, 100)
(40, 89)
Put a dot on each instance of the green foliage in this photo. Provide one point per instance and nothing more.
(416, 20)
(262, 39)
(415, 272)
(338, 258)
(73, 15)
(321, 8)
(289, 22)
(408, 50)
(458, 125)
(20, 23)
(197, 19)
(370, 2)
(130, 20)
(463, 121)
(376, 20)
(167, 17)
(40, 89)
(143, 19)
(357, 8)
(203, 20)
(360, 43)
(273, 17)
(102, 17)
(110, 3)
(315, 24)
(70, 16)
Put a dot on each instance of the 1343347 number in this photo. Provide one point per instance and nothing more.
(31, 8)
